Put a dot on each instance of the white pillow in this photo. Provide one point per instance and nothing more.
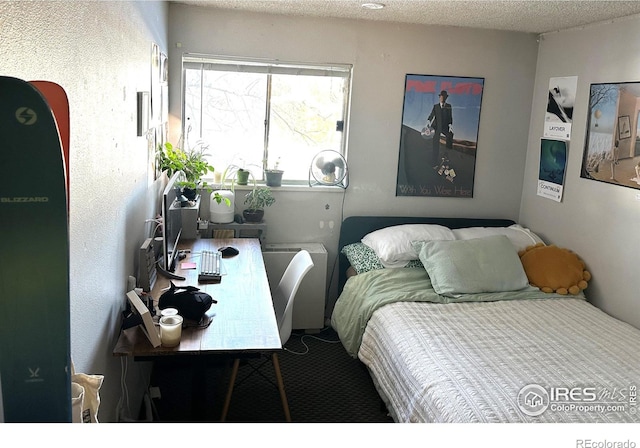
(393, 246)
(518, 235)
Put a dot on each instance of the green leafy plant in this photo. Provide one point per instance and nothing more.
(193, 163)
(241, 172)
(259, 198)
(273, 176)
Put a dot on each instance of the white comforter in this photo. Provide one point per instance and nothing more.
(494, 362)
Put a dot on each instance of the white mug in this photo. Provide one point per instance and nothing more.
(170, 330)
(169, 312)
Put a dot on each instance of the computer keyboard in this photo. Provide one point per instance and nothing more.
(209, 266)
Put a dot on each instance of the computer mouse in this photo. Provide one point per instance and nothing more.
(228, 251)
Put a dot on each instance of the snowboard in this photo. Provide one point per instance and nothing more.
(34, 253)
(59, 104)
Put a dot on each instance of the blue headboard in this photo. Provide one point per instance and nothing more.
(354, 228)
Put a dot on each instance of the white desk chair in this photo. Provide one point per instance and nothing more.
(283, 297)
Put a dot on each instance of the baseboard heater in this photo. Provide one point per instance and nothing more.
(308, 309)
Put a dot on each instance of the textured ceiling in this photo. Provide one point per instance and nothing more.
(533, 16)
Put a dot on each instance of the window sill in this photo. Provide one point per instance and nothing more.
(288, 187)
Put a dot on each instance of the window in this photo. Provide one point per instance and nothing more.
(256, 113)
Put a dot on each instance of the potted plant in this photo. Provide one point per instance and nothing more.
(256, 200)
(240, 172)
(274, 175)
(243, 176)
(193, 163)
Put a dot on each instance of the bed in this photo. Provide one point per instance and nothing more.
(513, 354)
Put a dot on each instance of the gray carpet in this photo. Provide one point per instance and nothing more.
(324, 385)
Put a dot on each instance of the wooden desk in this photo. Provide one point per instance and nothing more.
(244, 319)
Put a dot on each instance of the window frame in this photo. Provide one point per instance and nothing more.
(269, 67)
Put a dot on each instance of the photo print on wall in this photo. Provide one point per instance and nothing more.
(612, 144)
(559, 115)
(553, 166)
(439, 135)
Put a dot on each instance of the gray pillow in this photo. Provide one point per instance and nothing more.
(489, 264)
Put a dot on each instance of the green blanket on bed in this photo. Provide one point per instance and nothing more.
(365, 293)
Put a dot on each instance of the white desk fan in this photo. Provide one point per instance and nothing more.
(330, 168)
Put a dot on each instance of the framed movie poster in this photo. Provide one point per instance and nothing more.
(612, 145)
(439, 135)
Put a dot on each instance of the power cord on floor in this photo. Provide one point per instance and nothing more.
(123, 410)
(310, 336)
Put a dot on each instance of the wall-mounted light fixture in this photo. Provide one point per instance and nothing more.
(143, 113)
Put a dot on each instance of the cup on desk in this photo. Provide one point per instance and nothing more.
(170, 330)
(169, 312)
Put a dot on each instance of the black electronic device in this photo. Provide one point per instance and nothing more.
(171, 226)
(228, 251)
(147, 266)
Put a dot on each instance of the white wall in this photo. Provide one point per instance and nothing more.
(599, 221)
(100, 53)
(382, 54)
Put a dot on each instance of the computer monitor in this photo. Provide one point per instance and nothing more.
(171, 224)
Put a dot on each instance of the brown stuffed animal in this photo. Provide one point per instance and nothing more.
(553, 269)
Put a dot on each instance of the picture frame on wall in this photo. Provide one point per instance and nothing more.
(164, 88)
(439, 136)
(553, 167)
(558, 118)
(624, 129)
(156, 92)
(151, 156)
(612, 143)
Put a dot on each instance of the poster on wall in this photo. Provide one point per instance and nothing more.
(612, 145)
(559, 116)
(157, 135)
(164, 88)
(553, 166)
(156, 91)
(439, 135)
